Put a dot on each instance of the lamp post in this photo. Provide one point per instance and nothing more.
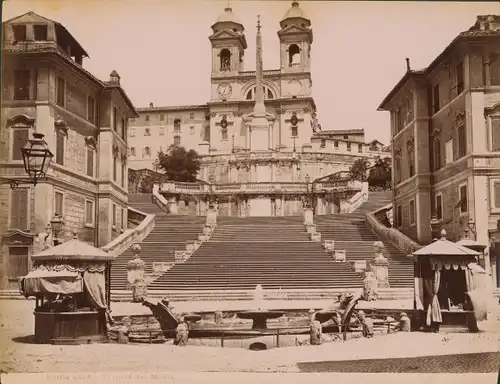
(36, 158)
(294, 138)
(472, 227)
(434, 224)
(232, 148)
(56, 224)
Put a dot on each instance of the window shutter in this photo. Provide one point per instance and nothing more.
(59, 148)
(19, 209)
(90, 162)
(495, 134)
(497, 195)
(19, 138)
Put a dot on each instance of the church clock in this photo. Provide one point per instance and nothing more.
(224, 90)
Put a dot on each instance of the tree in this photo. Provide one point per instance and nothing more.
(359, 169)
(179, 164)
(381, 173)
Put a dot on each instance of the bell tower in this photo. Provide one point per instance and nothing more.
(295, 40)
(228, 44)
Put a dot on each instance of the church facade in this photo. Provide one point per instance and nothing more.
(259, 127)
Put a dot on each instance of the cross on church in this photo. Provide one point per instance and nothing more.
(224, 124)
(294, 120)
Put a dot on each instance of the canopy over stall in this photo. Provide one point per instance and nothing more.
(447, 277)
(71, 284)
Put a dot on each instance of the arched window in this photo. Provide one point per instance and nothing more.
(225, 60)
(147, 151)
(268, 93)
(293, 55)
(177, 125)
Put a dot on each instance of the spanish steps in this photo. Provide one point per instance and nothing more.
(272, 251)
(169, 235)
(350, 232)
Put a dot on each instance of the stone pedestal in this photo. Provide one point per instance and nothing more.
(139, 290)
(172, 206)
(370, 285)
(340, 255)
(329, 245)
(218, 317)
(404, 323)
(380, 266)
(381, 270)
(211, 217)
(190, 248)
(308, 216)
(316, 237)
(311, 228)
(315, 333)
(135, 267)
(207, 230)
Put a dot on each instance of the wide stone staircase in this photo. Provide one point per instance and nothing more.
(351, 233)
(170, 234)
(272, 251)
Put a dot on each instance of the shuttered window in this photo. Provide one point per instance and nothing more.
(412, 212)
(495, 134)
(497, 194)
(58, 203)
(60, 148)
(90, 162)
(19, 209)
(89, 212)
(17, 264)
(19, 138)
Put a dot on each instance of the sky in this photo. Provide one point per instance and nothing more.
(161, 49)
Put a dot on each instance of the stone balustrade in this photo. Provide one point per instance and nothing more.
(131, 236)
(254, 187)
(398, 239)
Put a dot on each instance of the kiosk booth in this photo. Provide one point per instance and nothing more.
(451, 288)
(71, 284)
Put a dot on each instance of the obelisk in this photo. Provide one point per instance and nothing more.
(259, 122)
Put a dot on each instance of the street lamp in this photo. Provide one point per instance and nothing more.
(294, 138)
(309, 191)
(36, 158)
(472, 226)
(435, 224)
(56, 224)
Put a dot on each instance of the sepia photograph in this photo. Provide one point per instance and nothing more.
(181, 203)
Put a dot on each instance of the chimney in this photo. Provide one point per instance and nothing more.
(114, 77)
(408, 68)
(151, 105)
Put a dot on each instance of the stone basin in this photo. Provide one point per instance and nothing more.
(192, 317)
(260, 317)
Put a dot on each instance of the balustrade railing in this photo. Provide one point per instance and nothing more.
(194, 188)
(131, 236)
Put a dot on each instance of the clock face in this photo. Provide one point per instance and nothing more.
(224, 90)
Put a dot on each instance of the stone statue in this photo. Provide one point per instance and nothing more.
(181, 334)
(136, 274)
(404, 322)
(366, 323)
(378, 249)
(316, 332)
(370, 286)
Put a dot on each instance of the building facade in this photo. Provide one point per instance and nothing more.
(85, 123)
(258, 127)
(445, 129)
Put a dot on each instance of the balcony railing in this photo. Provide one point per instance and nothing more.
(256, 187)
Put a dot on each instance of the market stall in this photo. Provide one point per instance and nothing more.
(450, 286)
(71, 285)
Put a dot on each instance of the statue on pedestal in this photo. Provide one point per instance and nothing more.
(136, 275)
(181, 334)
(380, 265)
